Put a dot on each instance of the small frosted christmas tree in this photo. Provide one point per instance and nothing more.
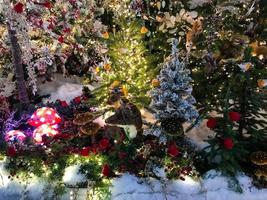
(172, 100)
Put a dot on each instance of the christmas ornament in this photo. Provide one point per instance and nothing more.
(77, 100)
(234, 116)
(262, 83)
(107, 67)
(85, 151)
(106, 170)
(155, 83)
(105, 35)
(63, 103)
(104, 144)
(19, 7)
(173, 150)
(144, 30)
(228, 143)
(211, 123)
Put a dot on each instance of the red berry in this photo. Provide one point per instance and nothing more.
(19, 7)
(234, 116)
(211, 123)
(228, 143)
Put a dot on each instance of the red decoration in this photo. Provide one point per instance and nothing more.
(44, 130)
(63, 103)
(44, 115)
(18, 7)
(77, 100)
(85, 151)
(234, 116)
(15, 134)
(211, 123)
(47, 4)
(228, 143)
(106, 170)
(61, 39)
(173, 150)
(104, 144)
(11, 151)
(66, 30)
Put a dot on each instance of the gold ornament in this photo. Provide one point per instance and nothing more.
(155, 82)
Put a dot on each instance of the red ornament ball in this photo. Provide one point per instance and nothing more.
(228, 143)
(104, 144)
(173, 150)
(85, 151)
(77, 100)
(63, 103)
(211, 123)
(61, 39)
(106, 170)
(18, 7)
(234, 116)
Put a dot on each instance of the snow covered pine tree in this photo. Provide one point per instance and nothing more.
(172, 100)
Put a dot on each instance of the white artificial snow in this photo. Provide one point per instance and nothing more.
(73, 176)
(62, 88)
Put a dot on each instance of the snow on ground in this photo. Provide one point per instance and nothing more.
(128, 187)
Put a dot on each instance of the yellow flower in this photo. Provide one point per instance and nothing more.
(105, 35)
(107, 67)
(262, 83)
(144, 30)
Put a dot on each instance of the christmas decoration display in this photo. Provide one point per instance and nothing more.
(172, 100)
(138, 102)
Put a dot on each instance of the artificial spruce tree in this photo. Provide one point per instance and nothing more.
(129, 67)
(172, 100)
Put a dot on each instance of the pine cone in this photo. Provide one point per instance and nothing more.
(172, 126)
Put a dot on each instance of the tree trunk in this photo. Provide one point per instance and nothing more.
(17, 62)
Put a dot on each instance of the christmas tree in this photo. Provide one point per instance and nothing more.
(129, 64)
(172, 100)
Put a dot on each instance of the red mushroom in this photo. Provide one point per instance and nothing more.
(44, 115)
(15, 134)
(44, 130)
